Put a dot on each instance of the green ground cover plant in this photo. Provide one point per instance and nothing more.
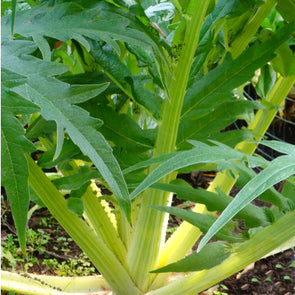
(124, 95)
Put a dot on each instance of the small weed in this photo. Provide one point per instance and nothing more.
(13, 258)
(268, 279)
(71, 267)
(219, 293)
(171, 230)
(287, 278)
(279, 266)
(223, 287)
(254, 280)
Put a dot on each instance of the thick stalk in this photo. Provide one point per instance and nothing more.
(248, 252)
(144, 249)
(241, 42)
(32, 284)
(100, 222)
(101, 256)
(186, 235)
(99, 217)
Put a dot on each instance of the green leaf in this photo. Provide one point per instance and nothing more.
(15, 171)
(286, 8)
(202, 154)
(55, 99)
(122, 76)
(217, 117)
(13, 146)
(75, 181)
(90, 19)
(211, 255)
(279, 169)
(282, 147)
(203, 222)
(266, 81)
(284, 63)
(251, 214)
(147, 163)
(219, 83)
(69, 152)
(76, 206)
(289, 189)
(122, 130)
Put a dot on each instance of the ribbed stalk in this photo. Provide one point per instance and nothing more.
(99, 217)
(33, 284)
(186, 235)
(241, 42)
(101, 256)
(101, 223)
(248, 252)
(144, 249)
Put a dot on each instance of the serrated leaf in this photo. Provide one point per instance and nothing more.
(90, 19)
(122, 76)
(282, 147)
(14, 144)
(149, 162)
(14, 172)
(211, 255)
(52, 96)
(279, 169)
(203, 222)
(219, 82)
(202, 154)
(122, 130)
(218, 201)
(217, 117)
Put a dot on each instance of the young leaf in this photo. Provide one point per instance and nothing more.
(279, 169)
(211, 255)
